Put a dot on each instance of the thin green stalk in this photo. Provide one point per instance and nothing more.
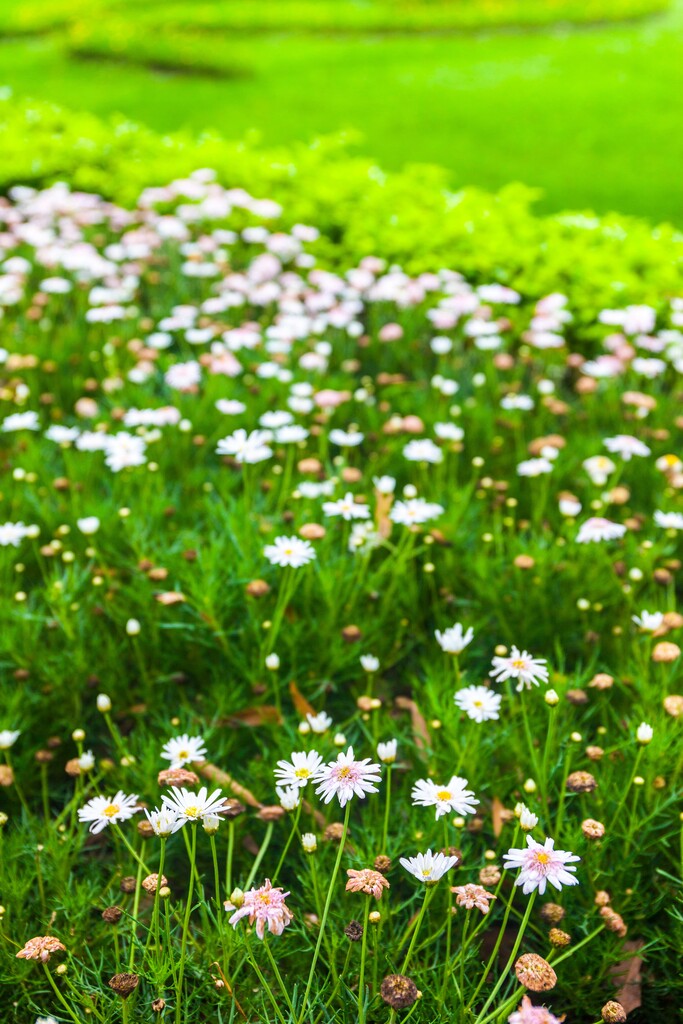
(363, 955)
(387, 807)
(494, 954)
(259, 856)
(328, 902)
(292, 833)
(186, 926)
(59, 995)
(511, 958)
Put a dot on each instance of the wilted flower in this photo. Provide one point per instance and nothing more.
(266, 907)
(368, 881)
(41, 948)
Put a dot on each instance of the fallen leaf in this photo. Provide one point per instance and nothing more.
(420, 730)
(221, 778)
(170, 597)
(627, 976)
(264, 714)
(300, 702)
(497, 807)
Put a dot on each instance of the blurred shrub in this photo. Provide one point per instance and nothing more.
(412, 217)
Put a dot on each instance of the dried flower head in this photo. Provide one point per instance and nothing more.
(372, 883)
(581, 782)
(398, 991)
(127, 884)
(613, 922)
(535, 973)
(613, 1012)
(673, 705)
(177, 777)
(665, 652)
(527, 1013)
(558, 938)
(592, 829)
(152, 883)
(354, 931)
(159, 1005)
(124, 984)
(471, 896)
(490, 875)
(602, 898)
(382, 864)
(334, 832)
(602, 681)
(112, 915)
(41, 948)
(552, 913)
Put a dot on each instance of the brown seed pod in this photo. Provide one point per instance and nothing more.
(398, 991)
(581, 782)
(112, 915)
(613, 1012)
(535, 973)
(124, 984)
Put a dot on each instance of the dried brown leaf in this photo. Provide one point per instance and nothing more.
(420, 730)
(627, 975)
(300, 703)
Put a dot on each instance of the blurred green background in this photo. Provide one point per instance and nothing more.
(581, 99)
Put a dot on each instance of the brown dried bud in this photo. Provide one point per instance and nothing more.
(151, 883)
(145, 829)
(159, 1005)
(490, 875)
(273, 813)
(524, 562)
(558, 938)
(6, 775)
(44, 756)
(577, 697)
(177, 777)
(602, 681)
(535, 973)
(594, 753)
(354, 931)
(351, 634)
(112, 915)
(665, 652)
(232, 808)
(581, 782)
(124, 984)
(257, 588)
(602, 898)
(127, 884)
(365, 703)
(552, 913)
(592, 829)
(309, 466)
(72, 767)
(613, 922)
(613, 1013)
(382, 864)
(312, 531)
(398, 991)
(673, 705)
(334, 832)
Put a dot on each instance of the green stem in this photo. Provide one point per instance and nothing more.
(186, 926)
(387, 806)
(292, 833)
(494, 954)
(328, 902)
(511, 959)
(259, 856)
(59, 995)
(429, 891)
(363, 954)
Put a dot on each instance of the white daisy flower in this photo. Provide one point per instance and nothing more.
(181, 750)
(454, 796)
(193, 806)
(428, 867)
(346, 777)
(479, 703)
(540, 863)
(519, 665)
(300, 770)
(102, 810)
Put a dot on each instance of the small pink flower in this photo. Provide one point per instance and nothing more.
(265, 906)
(470, 896)
(330, 399)
(41, 948)
(373, 883)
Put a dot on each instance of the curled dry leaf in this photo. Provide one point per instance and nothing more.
(170, 597)
(222, 778)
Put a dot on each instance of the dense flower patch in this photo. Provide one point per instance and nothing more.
(314, 575)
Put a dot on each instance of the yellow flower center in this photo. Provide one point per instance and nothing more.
(426, 872)
(111, 810)
(478, 703)
(542, 857)
(192, 812)
(183, 753)
(443, 794)
(344, 772)
(519, 663)
(303, 773)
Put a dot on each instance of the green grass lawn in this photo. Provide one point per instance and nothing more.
(591, 117)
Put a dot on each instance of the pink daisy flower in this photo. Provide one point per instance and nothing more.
(540, 863)
(265, 906)
(346, 777)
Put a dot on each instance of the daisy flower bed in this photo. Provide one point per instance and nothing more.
(341, 667)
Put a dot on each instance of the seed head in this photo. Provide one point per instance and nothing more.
(535, 973)
(124, 984)
(382, 864)
(159, 1005)
(127, 884)
(41, 948)
(613, 1013)
(177, 777)
(581, 782)
(613, 922)
(398, 991)
(558, 938)
(354, 931)
(151, 883)
(112, 915)
(592, 829)
(552, 913)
